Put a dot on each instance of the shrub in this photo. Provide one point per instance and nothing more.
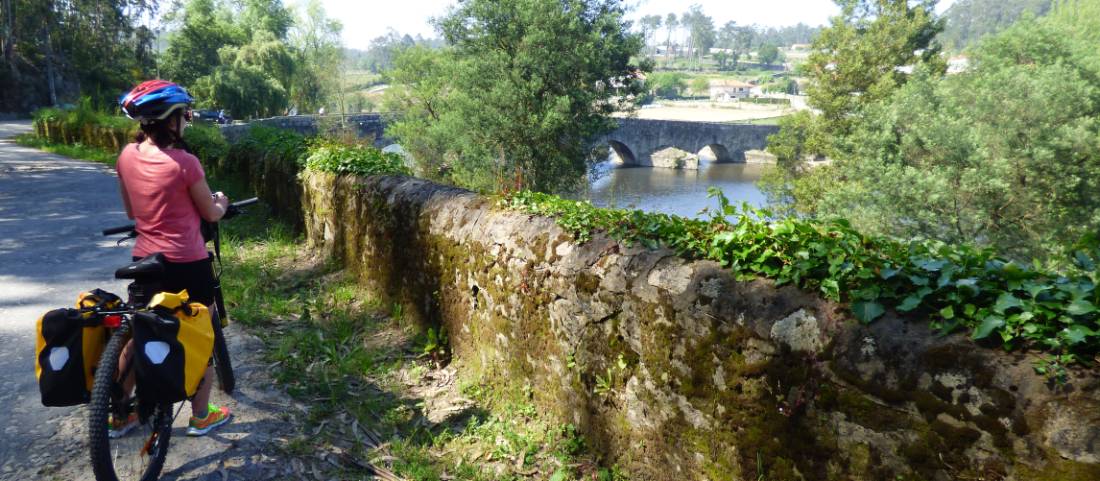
(84, 125)
(330, 156)
(208, 144)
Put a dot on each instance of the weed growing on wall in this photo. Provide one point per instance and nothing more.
(340, 158)
(958, 287)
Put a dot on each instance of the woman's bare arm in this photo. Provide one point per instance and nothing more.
(211, 207)
(125, 198)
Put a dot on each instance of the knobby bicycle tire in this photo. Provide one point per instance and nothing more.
(157, 430)
(223, 367)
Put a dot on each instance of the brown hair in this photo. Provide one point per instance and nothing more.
(162, 134)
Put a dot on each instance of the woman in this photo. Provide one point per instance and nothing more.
(164, 190)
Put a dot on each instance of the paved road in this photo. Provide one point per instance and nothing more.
(52, 210)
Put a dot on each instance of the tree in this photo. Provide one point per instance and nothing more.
(669, 85)
(518, 94)
(250, 80)
(383, 50)
(701, 35)
(700, 86)
(768, 54)
(723, 59)
(255, 57)
(316, 37)
(205, 27)
(671, 23)
(954, 158)
(650, 24)
(967, 21)
(862, 58)
(857, 60)
(58, 51)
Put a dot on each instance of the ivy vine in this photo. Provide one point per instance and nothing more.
(957, 287)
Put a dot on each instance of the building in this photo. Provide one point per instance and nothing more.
(958, 64)
(728, 90)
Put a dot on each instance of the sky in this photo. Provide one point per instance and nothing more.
(365, 20)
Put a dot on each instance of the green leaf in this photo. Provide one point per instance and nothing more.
(867, 311)
(948, 312)
(1084, 261)
(560, 475)
(988, 325)
(830, 287)
(1080, 307)
(970, 285)
(1005, 302)
(931, 265)
(910, 303)
(1077, 333)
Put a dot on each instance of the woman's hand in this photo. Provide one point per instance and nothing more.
(211, 206)
(221, 200)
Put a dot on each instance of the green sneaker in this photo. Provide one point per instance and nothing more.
(215, 416)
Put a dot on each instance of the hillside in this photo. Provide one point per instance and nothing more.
(969, 20)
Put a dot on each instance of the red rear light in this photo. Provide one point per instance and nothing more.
(113, 321)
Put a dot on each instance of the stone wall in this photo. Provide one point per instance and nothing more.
(674, 370)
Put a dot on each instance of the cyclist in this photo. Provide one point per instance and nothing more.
(165, 192)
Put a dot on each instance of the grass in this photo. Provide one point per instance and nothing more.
(378, 400)
(75, 151)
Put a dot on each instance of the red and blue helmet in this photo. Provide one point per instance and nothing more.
(154, 100)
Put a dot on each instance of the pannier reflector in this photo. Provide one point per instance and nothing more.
(112, 321)
(156, 351)
(58, 357)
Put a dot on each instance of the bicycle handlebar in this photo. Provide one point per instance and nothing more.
(233, 210)
(119, 230)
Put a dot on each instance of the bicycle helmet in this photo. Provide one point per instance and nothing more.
(154, 100)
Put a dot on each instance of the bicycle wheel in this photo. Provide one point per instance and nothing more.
(138, 455)
(223, 367)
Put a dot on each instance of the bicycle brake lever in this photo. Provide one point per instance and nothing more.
(132, 235)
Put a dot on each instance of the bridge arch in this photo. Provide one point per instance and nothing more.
(623, 155)
(715, 153)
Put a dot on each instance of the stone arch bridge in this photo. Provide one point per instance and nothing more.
(637, 140)
(634, 142)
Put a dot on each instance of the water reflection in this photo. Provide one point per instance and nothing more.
(679, 192)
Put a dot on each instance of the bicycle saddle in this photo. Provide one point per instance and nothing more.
(145, 268)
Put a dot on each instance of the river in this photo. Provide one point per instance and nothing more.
(674, 191)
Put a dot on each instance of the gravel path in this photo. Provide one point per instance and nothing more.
(51, 212)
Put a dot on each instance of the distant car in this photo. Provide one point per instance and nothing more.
(212, 116)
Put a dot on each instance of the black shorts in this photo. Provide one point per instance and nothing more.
(197, 277)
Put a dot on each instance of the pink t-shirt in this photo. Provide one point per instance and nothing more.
(158, 182)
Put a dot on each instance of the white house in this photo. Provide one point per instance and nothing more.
(727, 90)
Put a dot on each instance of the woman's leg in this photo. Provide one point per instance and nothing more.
(201, 400)
(124, 366)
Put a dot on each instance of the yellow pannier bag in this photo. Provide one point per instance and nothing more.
(68, 345)
(173, 341)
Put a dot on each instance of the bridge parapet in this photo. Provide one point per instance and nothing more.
(635, 141)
